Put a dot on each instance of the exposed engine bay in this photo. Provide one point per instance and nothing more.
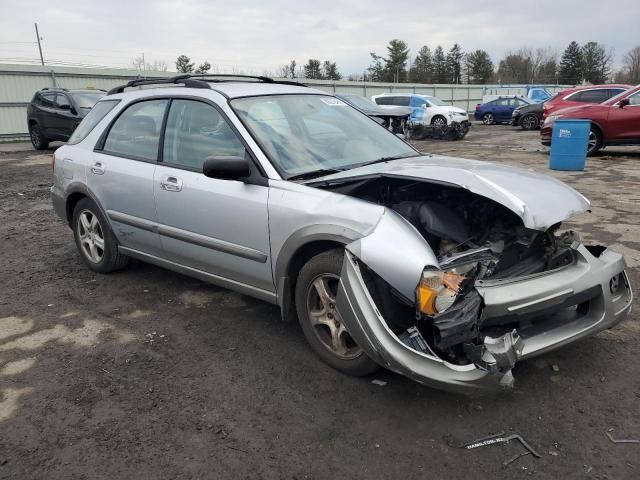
(476, 240)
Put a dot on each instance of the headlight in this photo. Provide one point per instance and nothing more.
(438, 289)
(552, 118)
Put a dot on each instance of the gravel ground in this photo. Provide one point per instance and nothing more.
(148, 374)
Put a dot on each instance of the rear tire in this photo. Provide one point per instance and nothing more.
(595, 142)
(96, 242)
(321, 324)
(489, 119)
(38, 140)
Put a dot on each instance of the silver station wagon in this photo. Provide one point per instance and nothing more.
(448, 271)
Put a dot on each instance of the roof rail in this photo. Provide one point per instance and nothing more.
(160, 81)
(230, 77)
(199, 80)
(55, 88)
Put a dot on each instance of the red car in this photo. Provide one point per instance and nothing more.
(614, 122)
(574, 97)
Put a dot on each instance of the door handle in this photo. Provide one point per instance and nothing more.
(97, 169)
(171, 184)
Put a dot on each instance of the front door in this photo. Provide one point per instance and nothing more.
(212, 225)
(624, 123)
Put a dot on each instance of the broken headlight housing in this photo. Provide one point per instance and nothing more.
(438, 289)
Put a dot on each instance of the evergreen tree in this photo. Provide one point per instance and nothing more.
(422, 66)
(454, 63)
(596, 63)
(203, 67)
(571, 65)
(479, 67)
(312, 69)
(440, 71)
(396, 62)
(330, 71)
(184, 64)
(376, 69)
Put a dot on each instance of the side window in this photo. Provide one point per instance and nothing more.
(95, 115)
(195, 131)
(613, 92)
(593, 96)
(62, 102)
(401, 101)
(384, 100)
(48, 100)
(136, 132)
(634, 99)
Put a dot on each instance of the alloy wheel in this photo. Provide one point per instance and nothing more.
(592, 142)
(325, 319)
(488, 119)
(35, 138)
(91, 236)
(529, 122)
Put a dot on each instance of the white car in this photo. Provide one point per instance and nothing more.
(425, 109)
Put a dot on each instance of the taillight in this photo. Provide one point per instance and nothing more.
(477, 107)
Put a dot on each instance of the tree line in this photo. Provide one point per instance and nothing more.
(591, 63)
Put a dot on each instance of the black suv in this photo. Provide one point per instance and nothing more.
(54, 113)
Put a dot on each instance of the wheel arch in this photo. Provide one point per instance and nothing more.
(77, 192)
(297, 250)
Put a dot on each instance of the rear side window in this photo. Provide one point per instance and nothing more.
(401, 101)
(136, 132)
(591, 96)
(48, 100)
(91, 120)
(195, 131)
(384, 100)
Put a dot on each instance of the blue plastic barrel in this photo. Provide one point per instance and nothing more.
(569, 144)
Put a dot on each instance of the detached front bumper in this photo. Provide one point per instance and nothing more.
(553, 309)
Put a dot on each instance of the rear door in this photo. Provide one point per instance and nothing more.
(624, 123)
(47, 114)
(211, 225)
(121, 174)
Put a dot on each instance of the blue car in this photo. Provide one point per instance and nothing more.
(498, 110)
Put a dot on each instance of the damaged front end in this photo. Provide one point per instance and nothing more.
(458, 305)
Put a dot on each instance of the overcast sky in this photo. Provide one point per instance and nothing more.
(260, 35)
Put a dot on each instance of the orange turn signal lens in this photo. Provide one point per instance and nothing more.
(427, 299)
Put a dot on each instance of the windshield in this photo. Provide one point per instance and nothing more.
(613, 100)
(306, 133)
(360, 102)
(436, 102)
(87, 99)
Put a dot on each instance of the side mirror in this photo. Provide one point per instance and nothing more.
(424, 106)
(623, 103)
(226, 167)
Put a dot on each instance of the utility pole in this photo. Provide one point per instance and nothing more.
(39, 46)
(144, 69)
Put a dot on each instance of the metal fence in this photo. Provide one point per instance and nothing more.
(18, 83)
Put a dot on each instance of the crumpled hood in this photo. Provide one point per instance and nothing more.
(540, 200)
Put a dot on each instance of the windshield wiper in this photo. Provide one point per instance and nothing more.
(386, 159)
(315, 173)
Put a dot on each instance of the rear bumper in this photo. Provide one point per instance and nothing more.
(587, 282)
(545, 134)
(59, 203)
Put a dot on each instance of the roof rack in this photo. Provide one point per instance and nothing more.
(199, 81)
(230, 77)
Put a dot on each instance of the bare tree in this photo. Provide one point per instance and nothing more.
(139, 63)
(631, 65)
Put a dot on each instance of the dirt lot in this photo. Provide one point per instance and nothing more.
(148, 374)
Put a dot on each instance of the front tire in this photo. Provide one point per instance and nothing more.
(95, 241)
(322, 326)
(38, 140)
(530, 122)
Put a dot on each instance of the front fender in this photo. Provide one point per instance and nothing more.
(396, 251)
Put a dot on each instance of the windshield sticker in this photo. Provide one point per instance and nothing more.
(334, 102)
